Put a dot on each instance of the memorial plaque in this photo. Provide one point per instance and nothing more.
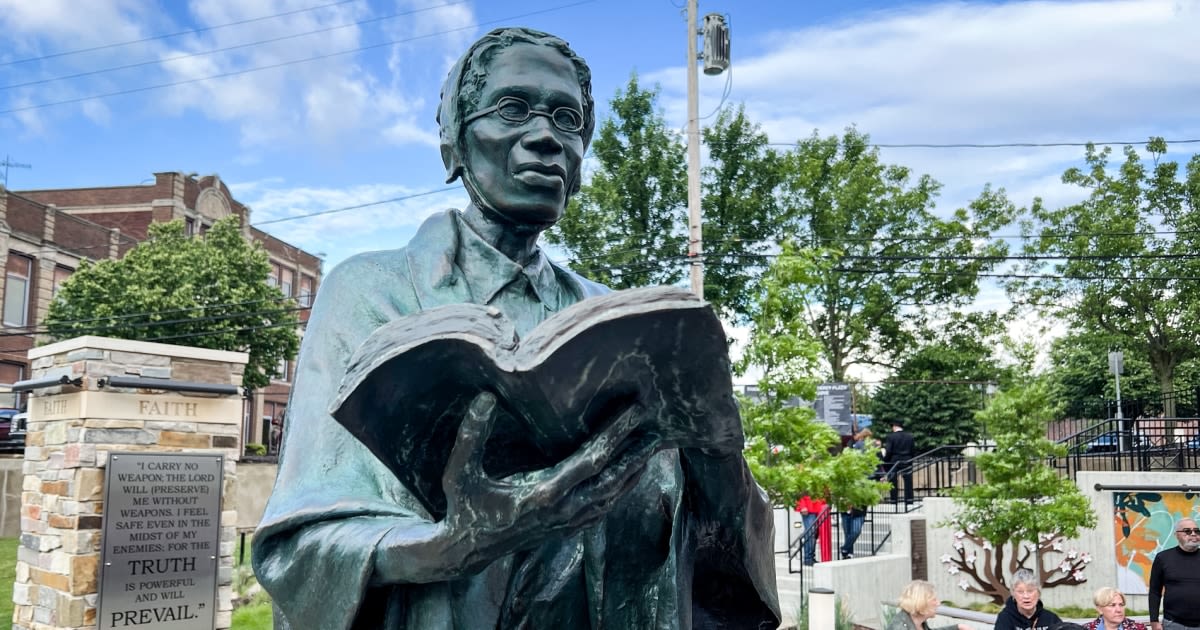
(833, 406)
(161, 542)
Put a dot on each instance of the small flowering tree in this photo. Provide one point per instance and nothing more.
(1022, 513)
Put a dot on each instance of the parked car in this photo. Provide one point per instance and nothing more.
(8, 441)
(16, 431)
(1107, 442)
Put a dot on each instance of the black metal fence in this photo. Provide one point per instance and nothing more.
(1186, 401)
(1140, 444)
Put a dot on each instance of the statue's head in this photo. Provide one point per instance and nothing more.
(516, 117)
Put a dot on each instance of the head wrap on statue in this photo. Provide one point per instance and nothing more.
(460, 97)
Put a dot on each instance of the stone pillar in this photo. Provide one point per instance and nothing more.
(72, 431)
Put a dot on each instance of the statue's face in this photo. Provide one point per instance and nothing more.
(524, 171)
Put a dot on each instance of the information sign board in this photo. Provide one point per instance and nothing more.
(162, 531)
(833, 406)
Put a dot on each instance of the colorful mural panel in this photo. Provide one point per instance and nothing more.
(1144, 524)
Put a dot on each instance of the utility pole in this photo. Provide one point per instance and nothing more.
(1116, 365)
(716, 60)
(695, 235)
(7, 163)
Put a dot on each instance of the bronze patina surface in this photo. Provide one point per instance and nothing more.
(625, 533)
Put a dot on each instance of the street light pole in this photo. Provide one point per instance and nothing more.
(695, 235)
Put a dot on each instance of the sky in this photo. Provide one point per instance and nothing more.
(307, 107)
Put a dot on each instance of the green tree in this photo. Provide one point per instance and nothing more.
(896, 261)
(1080, 382)
(937, 389)
(627, 226)
(1123, 262)
(1020, 513)
(208, 292)
(741, 209)
(790, 453)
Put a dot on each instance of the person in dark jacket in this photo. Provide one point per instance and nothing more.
(1023, 610)
(898, 449)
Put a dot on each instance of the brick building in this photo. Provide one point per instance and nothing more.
(46, 233)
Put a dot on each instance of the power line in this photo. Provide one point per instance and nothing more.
(185, 309)
(207, 333)
(999, 145)
(643, 266)
(155, 62)
(1045, 236)
(1029, 257)
(170, 35)
(358, 206)
(147, 88)
(60, 327)
(918, 258)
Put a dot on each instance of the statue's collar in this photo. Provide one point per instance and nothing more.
(450, 263)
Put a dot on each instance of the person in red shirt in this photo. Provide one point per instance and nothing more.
(810, 510)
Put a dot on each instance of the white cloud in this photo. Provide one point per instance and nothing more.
(440, 31)
(34, 28)
(294, 79)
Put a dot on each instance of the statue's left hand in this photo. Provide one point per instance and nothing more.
(488, 518)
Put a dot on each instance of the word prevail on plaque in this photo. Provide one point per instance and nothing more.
(161, 541)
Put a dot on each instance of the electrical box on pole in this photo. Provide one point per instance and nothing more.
(1116, 362)
(716, 44)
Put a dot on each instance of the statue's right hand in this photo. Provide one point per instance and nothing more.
(487, 518)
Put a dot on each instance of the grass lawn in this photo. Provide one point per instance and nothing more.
(8, 574)
(253, 617)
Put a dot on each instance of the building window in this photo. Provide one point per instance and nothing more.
(16, 290)
(306, 290)
(189, 226)
(60, 276)
(287, 278)
(281, 370)
(273, 277)
(274, 417)
(11, 373)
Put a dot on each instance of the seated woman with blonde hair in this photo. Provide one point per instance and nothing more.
(918, 604)
(1110, 603)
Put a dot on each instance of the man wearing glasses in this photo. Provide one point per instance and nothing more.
(621, 534)
(1175, 581)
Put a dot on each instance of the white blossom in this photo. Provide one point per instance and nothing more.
(958, 545)
(1079, 577)
(952, 570)
(1072, 554)
(1087, 558)
(946, 558)
(971, 558)
(1058, 545)
(959, 535)
(987, 544)
(964, 584)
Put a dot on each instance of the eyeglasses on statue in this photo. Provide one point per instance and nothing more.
(516, 110)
